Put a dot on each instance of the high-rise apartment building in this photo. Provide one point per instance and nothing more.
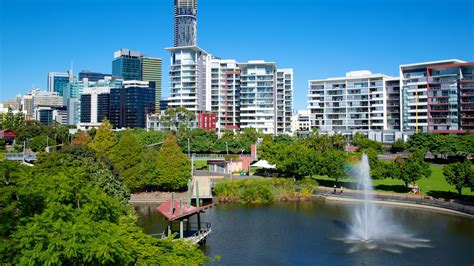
(392, 86)
(413, 81)
(185, 23)
(225, 93)
(284, 100)
(450, 102)
(262, 98)
(58, 82)
(357, 101)
(127, 65)
(151, 72)
(189, 74)
(260, 94)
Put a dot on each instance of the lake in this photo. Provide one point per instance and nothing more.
(309, 233)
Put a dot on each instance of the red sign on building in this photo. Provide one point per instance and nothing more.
(207, 121)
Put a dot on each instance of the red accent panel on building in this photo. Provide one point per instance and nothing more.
(207, 121)
(7, 134)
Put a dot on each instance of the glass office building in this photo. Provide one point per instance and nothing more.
(92, 76)
(130, 104)
(58, 82)
(127, 65)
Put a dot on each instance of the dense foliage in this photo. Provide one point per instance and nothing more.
(445, 145)
(314, 155)
(262, 190)
(70, 209)
(365, 144)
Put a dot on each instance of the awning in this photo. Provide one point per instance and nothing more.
(263, 164)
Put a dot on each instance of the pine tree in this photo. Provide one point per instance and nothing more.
(173, 167)
(127, 157)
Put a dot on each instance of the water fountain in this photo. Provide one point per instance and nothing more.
(372, 226)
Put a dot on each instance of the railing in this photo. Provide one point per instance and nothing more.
(206, 156)
(20, 156)
(403, 198)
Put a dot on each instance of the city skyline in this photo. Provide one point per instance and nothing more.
(329, 48)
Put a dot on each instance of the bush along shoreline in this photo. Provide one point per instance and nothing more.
(260, 190)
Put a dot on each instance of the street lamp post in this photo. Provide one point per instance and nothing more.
(189, 153)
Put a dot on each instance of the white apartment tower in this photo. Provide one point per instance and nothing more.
(189, 73)
(284, 100)
(266, 97)
(225, 93)
(357, 101)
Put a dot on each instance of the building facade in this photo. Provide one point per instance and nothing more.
(185, 23)
(47, 115)
(92, 76)
(300, 123)
(151, 72)
(413, 82)
(266, 97)
(392, 86)
(94, 106)
(284, 100)
(450, 90)
(127, 65)
(225, 93)
(207, 121)
(357, 101)
(130, 104)
(190, 78)
(58, 82)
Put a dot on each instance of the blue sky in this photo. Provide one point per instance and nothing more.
(318, 39)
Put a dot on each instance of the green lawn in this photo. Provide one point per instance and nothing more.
(200, 165)
(435, 185)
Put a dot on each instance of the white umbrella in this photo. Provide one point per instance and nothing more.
(264, 164)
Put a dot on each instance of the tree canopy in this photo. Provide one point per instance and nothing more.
(104, 140)
(459, 175)
(172, 166)
(411, 169)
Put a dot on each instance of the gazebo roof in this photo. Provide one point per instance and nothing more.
(187, 210)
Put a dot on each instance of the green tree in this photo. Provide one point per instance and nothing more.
(173, 167)
(334, 162)
(293, 160)
(398, 146)
(104, 139)
(459, 175)
(411, 169)
(176, 118)
(127, 157)
(365, 144)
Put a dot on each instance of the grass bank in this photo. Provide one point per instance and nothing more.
(263, 190)
(435, 185)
